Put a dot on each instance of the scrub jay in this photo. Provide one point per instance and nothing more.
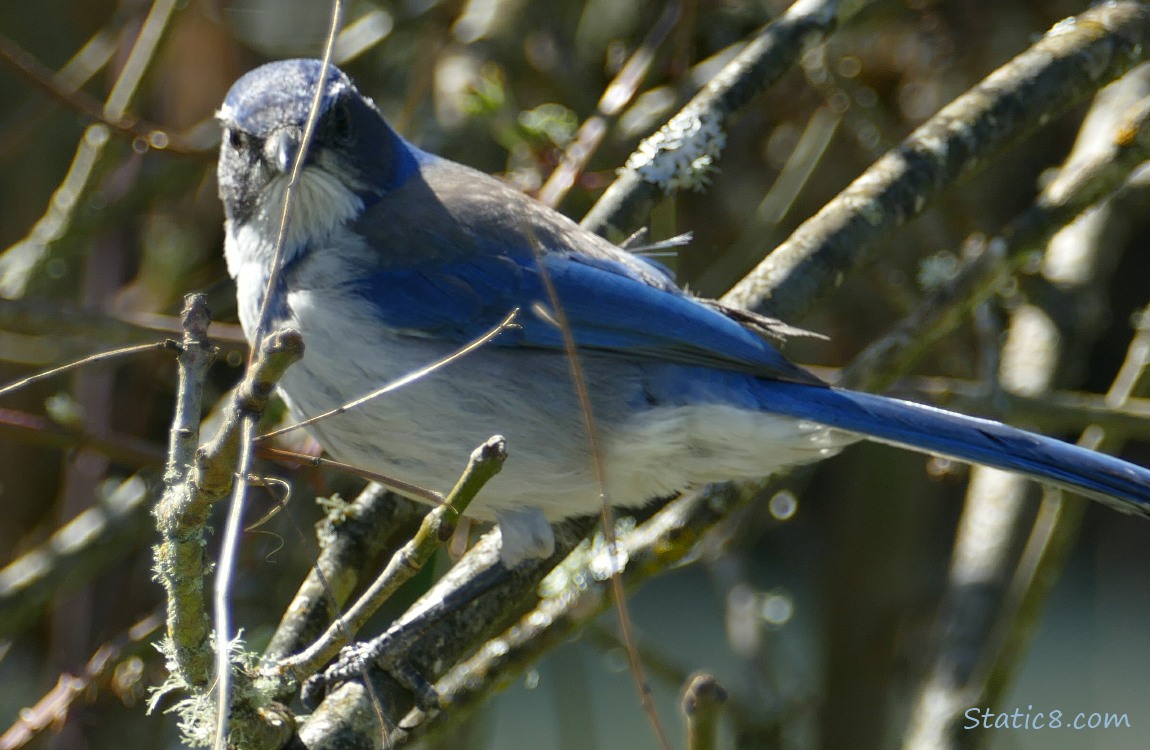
(395, 257)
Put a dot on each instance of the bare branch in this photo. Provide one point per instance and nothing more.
(702, 703)
(988, 588)
(53, 708)
(155, 136)
(77, 552)
(180, 564)
(215, 461)
(437, 527)
(772, 52)
(574, 597)
(1071, 62)
(195, 480)
(17, 262)
(351, 536)
(437, 631)
(1061, 202)
(616, 96)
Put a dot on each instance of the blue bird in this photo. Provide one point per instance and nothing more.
(395, 258)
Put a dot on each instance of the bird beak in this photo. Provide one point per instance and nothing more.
(280, 149)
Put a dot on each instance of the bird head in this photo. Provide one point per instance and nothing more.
(354, 157)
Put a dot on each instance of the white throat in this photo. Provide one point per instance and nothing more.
(323, 204)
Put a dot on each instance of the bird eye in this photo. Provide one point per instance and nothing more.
(340, 121)
(235, 138)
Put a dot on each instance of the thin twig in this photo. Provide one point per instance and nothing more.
(761, 229)
(139, 57)
(409, 378)
(36, 429)
(72, 328)
(221, 619)
(247, 432)
(617, 95)
(218, 465)
(17, 262)
(413, 491)
(615, 562)
(85, 63)
(263, 320)
(89, 360)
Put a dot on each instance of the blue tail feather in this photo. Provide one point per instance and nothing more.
(1113, 481)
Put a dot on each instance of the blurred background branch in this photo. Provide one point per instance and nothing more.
(832, 609)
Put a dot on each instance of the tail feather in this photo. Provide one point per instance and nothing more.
(927, 429)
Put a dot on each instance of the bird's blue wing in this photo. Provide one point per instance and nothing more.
(609, 308)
